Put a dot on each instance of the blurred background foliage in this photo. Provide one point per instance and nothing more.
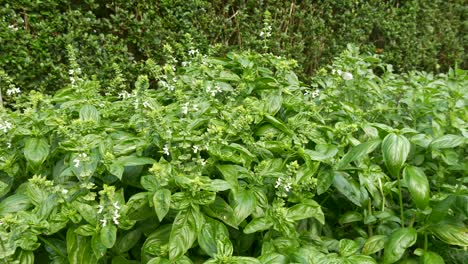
(115, 36)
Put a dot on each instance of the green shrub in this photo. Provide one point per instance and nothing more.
(427, 35)
(234, 160)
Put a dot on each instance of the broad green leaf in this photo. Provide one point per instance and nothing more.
(99, 249)
(149, 182)
(398, 242)
(86, 230)
(306, 209)
(348, 247)
(274, 102)
(203, 197)
(278, 124)
(258, 224)
(218, 185)
(418, 186)
(88, 212)
(108, 235)
(36, 151)
(221, 210)
(162, 202)
(348, 187)
(127, 241)
(134, 161)
(89, 113)
(322, 152)
(231, 173)
(430, 257)
(440, 209)
(324, 180)
(79, 249)
(184, 232)
(25, 257)
(14, 203)
(447, 141)
(244, 260)
(358, 152)
(360, 259)
(244, 204)
(211, 232)
(451, 234)
(395, 150)
(157, 239)
(374, 244)
(159, 260)
(228, 76)
(273, 258)
(349, 217)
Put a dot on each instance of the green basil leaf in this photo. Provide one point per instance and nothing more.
(88, 212)
(36, 151)
(25, 257)
(244, 204)
(79, 249)
(360, 259)
(258, 224)
(14, 203)
(108, 235)
(184, 233)
(244, 260)
(128, 241)
(324, 180)
(99, 249)
(450, 234)
(211, 232)
(440, 209)
(322, 152)
(395, 150)
(306, 209)
(430, 257)
(418, 186)
(358, 152)
(348, 247)
(162, 202)
(447, 141)
(89, 113)
(273, 258)
(348, 187)
(398, 242)
(374, 244)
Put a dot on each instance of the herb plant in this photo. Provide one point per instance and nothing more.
(235, 160)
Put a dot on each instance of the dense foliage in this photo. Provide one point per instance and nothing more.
(116, 35)
(234, 160)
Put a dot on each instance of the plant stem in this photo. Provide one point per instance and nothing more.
(402, 215)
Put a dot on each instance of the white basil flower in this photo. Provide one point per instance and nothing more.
(347, 76)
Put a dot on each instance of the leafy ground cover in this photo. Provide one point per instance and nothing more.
(235, 160)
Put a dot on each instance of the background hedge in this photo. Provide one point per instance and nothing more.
(116, 35)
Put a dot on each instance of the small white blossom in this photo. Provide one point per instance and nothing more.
(147, 105)
(100, 208)
(278, 183)
(13, 27)
(315, 94)
(185, 108)
(166, 150)
(347, 76)
(195, 149)
(80, 158)
(124, 95)
(77, 163)
(8, 145)
(116, 206)
(262, 33)
(339, 72)
(186, 63)
(116, 220)
(193, 52)
(104, 222)
(287, 187)
(195, 107)
(71, 71)
(5, 126)
(72, 80)
(64, 191)
(15, 90)
(203, 162)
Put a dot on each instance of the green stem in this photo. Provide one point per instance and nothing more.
(425, 242)
(400, 197)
